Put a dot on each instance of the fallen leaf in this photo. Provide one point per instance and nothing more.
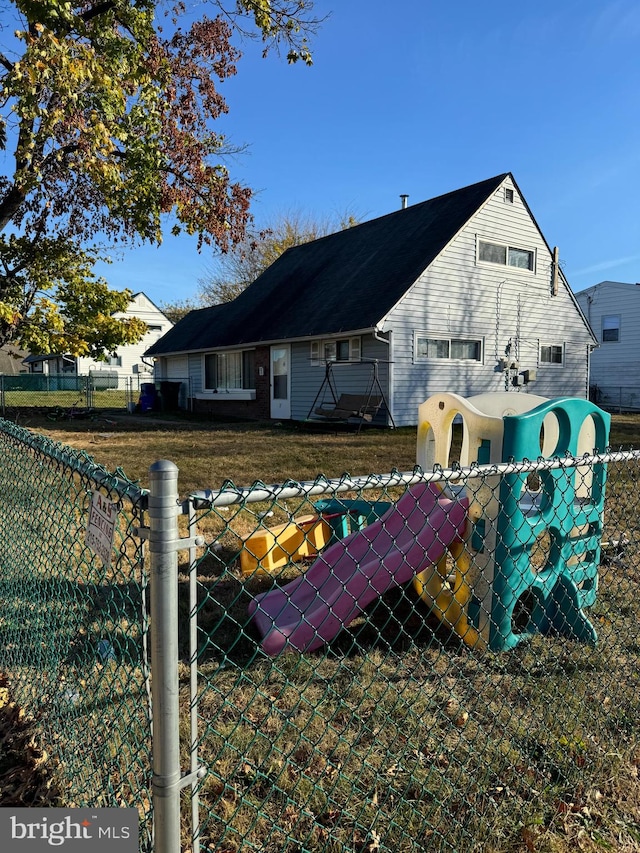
(462, 719)
(529, 837)
(374, 844)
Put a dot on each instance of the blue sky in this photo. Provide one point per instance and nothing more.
(423, 97)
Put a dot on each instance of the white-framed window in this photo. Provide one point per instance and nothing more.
(507, 256)
(428, 348)
(610, 328)
(552, 354)
(229, 371)
(114, 361)
(335, 349)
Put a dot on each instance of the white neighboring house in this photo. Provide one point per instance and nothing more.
(613, 311)
(127, 361)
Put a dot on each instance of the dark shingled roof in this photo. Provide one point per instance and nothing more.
(340, 283)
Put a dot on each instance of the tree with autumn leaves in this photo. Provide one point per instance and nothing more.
(235, 270)
(109, 107)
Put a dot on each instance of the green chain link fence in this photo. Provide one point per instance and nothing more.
(74, 631)
(72, 395)
(489, 703)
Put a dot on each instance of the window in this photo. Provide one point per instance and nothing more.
(455, 349)
(344, 349)
(229, 371)
(114, 361)
(552, 354)
(507, 256)
(329, 351)
(611, 328)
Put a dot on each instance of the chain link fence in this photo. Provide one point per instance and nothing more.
(74, 630)
(616, 398)
(404, 662)
(338, 705)
(70, 395)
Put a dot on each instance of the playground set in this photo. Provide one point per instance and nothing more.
(475, 554)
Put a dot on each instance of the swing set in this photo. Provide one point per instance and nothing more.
(361, 409)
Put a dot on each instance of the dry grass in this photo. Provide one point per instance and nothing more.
(396, 738)
(207, 455)
(210, 453)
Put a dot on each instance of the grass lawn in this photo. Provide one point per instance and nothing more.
(396, 738)
(207, 454)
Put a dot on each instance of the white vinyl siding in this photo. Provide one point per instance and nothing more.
(128, 359)
(173, 367)
(615, 365)
(459, 298)
(349, 377)
(196, 371)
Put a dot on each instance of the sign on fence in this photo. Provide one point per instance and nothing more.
(103, 514)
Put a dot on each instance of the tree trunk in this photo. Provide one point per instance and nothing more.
(10, 205)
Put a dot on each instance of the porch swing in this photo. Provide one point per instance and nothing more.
(369, 408)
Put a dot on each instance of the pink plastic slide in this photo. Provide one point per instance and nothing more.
(312, 609)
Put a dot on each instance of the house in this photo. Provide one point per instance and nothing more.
(613, 310)
(127, 361)
(11, 359)
(458, 293)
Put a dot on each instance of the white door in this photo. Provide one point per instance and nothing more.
(280, 382)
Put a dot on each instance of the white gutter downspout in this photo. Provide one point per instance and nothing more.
(389, 342)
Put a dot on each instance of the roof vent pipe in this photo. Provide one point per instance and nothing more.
(403, 200)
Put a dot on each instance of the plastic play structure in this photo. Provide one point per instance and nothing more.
(272, 548)
(532, 555)
(496, 562)
(269, 549)
(312, 609)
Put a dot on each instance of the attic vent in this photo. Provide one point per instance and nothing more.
(508, 195)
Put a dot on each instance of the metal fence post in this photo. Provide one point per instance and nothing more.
(163, 540)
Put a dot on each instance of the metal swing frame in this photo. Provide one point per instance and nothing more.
(374, 389)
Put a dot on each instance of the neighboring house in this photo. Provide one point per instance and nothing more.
(460, 293)
(11, 359)
(127, 361)
(613, 310)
